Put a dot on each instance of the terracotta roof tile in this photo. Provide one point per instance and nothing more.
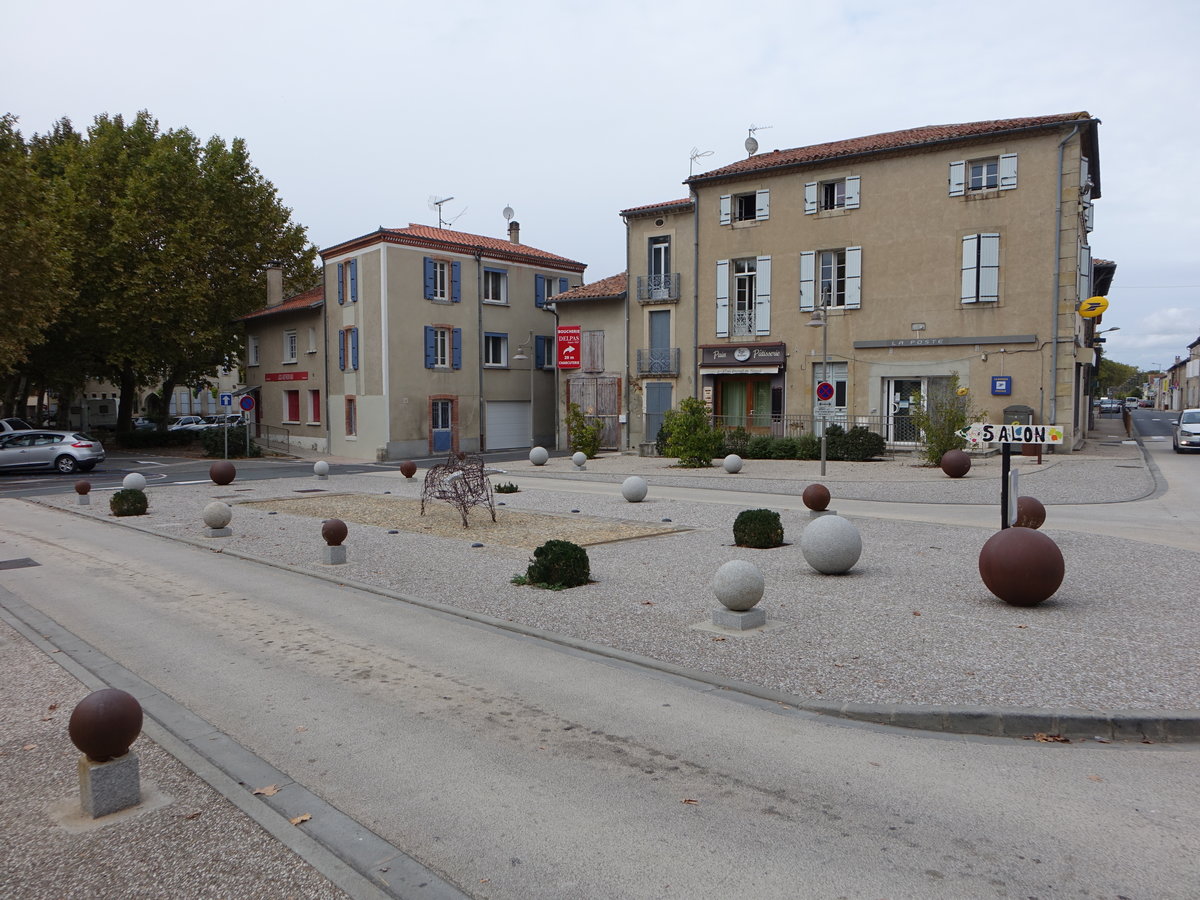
(685, 203)
(892, 140)
(448, 240)
(610, 288)
(310, 299)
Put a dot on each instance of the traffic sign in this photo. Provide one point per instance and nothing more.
(226, 398)
(824, 391)
(246, 403)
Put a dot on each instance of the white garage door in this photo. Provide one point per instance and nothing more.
(507, 425)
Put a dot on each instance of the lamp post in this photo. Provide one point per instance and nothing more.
(820, 320)
(525, 351)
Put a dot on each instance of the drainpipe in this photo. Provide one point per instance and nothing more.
(695, 293)
(552, 308)
(1058, 204)
(479, 343)
(628, 281)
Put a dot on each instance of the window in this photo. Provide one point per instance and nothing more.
(495, 286)
(440, 414)
(289, 346)
(252, 350)
(831, 276)
(348, 349)
(312, 340)
(347, 281)
(744, 272)
(495, 349)
(980, 268)
(592, 351)
(314, 407)
(442, 280)
(443, 347)
(351, 416)
(750, 282)
(988, 174)
(543, 351)
(291, 407)
(842, 193)
(754, 206)
(544, 288)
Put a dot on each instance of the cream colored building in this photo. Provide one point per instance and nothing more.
(440, 340)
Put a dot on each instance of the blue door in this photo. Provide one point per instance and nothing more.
(658, 401)
(441, 425)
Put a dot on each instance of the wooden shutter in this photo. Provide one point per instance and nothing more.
(428, 278)
(539, 291)
(810, 198)
(726, 208)
(341, 286)
(354, 349)
(958, 178)
(722, 298)
(853, 277)
(430, 347)
(970, 268)
(563, 285)
(457, 348)
(808, 279)
(1085, 272)
(539, 351)
(1084, 176)
(342, 349)
(455, 282)
(354, 281)
(989, 268)
(852, 191)
(762, 205)
(762, 296)
(1008, 171)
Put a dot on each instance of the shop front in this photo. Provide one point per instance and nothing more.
(743, 385)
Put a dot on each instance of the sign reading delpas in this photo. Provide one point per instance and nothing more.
(570, 342)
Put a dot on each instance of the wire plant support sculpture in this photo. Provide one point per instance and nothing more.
(462, 481)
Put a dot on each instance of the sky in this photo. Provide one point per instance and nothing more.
(361, 113)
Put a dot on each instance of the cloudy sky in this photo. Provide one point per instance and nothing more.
(360, 113)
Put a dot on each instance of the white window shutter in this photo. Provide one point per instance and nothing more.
(1089, 216)
(958, 178)
(726, 208)
(970, 266)
(808, 278)
(762, 296)
(852, 189)
(1085, 272)
(853, 277)
(810, 198)
(989, 268)
(1084, 175)
(762, 205)
(722, 298)
(1008, 171)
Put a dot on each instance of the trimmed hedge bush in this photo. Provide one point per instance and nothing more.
(128, 502)
(759, 528)
(213, 441)
(141, 440)
(557, 565)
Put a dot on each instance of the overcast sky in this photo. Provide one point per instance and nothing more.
(360, 113)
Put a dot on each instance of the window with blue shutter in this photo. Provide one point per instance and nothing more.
(455, 275)
(539, 291)
(430, 346)
(429, 287)
(341, 284)
(539, 351)
(457, 348)
(342, 350)
(563, 285)
(354, 282)
(354, 349)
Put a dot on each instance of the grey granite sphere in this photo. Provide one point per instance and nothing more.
(217, 514)
(579, 458)
(634, 489)
(739, 585)
(539, 456)
(831, 545)
(320, 467)
(135, 481)
(732, 464)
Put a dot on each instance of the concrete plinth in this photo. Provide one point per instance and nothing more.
(322, 477)
(333, 556)
(83, 500)
(109, 787)
(218, 532)
(817, 513)
(740, 621)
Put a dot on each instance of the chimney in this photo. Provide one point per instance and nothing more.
(274, 283)
(514, 232)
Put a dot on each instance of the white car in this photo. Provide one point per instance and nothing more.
(186, 423)
(1187, 431)
(1133, 402)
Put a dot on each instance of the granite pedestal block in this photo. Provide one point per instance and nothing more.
(322, 478)
(218, 532)
(740, 621)
(817, 513)
(333, 556)
(109, 787)
(83, 500)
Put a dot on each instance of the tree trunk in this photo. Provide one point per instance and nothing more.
(128, 396)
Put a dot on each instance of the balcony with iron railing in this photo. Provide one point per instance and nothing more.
(658, 361)
(658, 288)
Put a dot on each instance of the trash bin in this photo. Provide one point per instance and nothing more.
(1018, 414)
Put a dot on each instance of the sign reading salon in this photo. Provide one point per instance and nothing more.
(986, 433)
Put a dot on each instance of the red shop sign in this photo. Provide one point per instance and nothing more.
(570, 340)
(286, 376)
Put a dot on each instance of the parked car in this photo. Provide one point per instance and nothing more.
(14, 424)
(1132, 402)
(64, 451)
(186, 423)
(141, 423)
(1109, 405)
(1187, 431)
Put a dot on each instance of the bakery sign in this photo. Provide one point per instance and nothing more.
(744, 355)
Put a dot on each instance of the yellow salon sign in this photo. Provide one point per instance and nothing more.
(1093, 306)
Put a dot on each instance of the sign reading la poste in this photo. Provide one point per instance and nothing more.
(986, 433)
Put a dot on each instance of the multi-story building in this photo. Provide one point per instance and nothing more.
(442, 340)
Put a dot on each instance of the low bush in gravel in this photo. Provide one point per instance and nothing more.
(557, 565)
(128, 502)
(506, 487)
(758, 528)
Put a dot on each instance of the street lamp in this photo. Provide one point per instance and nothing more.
(523, 351)
(819, 320)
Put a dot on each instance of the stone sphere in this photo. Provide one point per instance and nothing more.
(539, 456)
(1021, 566)
(1030, 513)
(83, 487)
(738, 585)
(408, 468)
(579, 458)
(816, 497)
(956, 463)
(634, 489)
(217, 514)
(732, 464)
(831, 545)
(105, 724)
(222, 472)
(320, 467)
(334, 531)
(134, 481)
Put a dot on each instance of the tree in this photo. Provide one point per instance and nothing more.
(1112, 376)
(691, 435)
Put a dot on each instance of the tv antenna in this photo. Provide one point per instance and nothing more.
(751, 141)
(696, 154)
(435, 202)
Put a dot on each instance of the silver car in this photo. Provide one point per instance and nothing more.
(1187, 431)
(63, 451)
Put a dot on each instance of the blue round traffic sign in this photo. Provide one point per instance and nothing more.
(824, 391)
(246, 403)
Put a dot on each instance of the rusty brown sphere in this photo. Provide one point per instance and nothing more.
(956, 463)
(82, 487)
(222, 472)
(105, 724)
(334, 531)
(1030, 513)
(816, 497)
(1021, 566)
(408, 468)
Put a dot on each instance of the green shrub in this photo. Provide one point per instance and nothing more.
(557, 565)
(941, 417)
(141, 440)
(835, 448)
(660, 442)
(506, 487)
(759, 447)
(692, 437)
(583, 436)
(128, 502)
(758, 528)
(213, 441)
(784, 448)
(735, 441)
(808, 446)
(860, 444)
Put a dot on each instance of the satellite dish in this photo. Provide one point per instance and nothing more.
(508, 213)
(751, 146)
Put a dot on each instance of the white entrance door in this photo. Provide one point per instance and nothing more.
(508, 425)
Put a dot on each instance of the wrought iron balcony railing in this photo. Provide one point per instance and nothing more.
(658, 361)
(658, 288)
